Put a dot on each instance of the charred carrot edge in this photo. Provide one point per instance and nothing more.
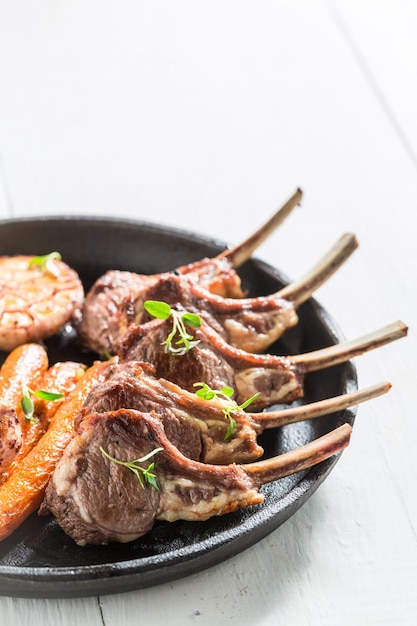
(62, 378)
(23, 492)
(26, 364)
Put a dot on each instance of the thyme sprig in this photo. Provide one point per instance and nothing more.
(144, 475)
(185, 341)
(27, 404)
(226, 394)
(45, 262)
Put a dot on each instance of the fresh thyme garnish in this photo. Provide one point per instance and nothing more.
(162, 311)
(225, 394)
(46, 263)
(27, 403)
(144, 475)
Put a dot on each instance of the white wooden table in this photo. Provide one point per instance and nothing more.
(206, 116)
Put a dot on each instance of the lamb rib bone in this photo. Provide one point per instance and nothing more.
(97, 501)
(300, 290)
(248, 381)
(99, 323)
(199, 427)
(243, 251)
(302, 458)
(277, 379)
(251, 324)
(212, 410)
(282, 417)
(341, 352)
(211, 271)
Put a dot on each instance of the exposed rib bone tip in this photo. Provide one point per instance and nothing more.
(403, 327)
(241, 253)
(301, 458)
(300, 290)
(342, 352)
(275, 419)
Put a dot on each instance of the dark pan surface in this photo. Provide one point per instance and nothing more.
(39, 560)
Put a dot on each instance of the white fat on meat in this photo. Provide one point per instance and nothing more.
(193, 500)
(260, 379)
(253, 337)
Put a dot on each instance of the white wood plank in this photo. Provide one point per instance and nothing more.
(25, 611)
(381, 35)
(5, 203)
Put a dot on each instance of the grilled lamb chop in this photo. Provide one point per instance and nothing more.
(132, 386)
(99, 324)
(116, 301)
(96, 500)
(277, 379)
(217, 274)
(199, 428)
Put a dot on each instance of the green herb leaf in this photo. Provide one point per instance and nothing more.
(232, 426)
(192, 320)
(160, 310)
(205, 395)
(205, 392)
(144, 475)
(42, 394)
(27, 404)
(249, 401)
(46, 262)
(228, 391)
(225, 393)
(184, 342)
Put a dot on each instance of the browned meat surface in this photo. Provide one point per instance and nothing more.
(116, 302)
(197, 427)
(216, 275)
(251, 324)
(97, 500)
(129, 386)
(113, 302)
(277, 379)
(100, 323)
(213, 361)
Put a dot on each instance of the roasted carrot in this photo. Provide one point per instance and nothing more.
(59, 378)
(62, 378)
(24, 366)
(27, 365)
(23, 491)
